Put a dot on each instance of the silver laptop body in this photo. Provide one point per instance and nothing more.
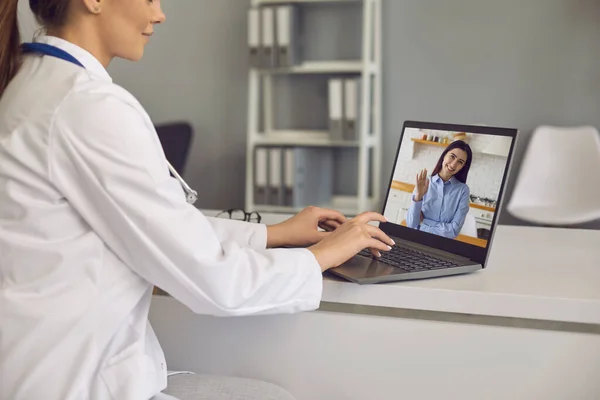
(419, 254)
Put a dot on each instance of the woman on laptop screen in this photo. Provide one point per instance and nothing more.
(440, 205)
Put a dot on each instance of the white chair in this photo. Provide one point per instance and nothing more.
(469, 228)
(557, 183)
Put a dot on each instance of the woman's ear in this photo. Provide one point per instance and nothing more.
(93, 6)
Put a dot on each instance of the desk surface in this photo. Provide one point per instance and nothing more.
(535, 273)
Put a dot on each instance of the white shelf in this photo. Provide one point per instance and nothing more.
(321, 67)
(347, 205)
(303, 138)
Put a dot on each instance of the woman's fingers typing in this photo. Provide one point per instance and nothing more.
(370, 216)
(382, 242)
(375, 253)
(376, 233)
(329, 225)
(350, 238)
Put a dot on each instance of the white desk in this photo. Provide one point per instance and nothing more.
(527, 327)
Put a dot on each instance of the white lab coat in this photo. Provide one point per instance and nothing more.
(90, 220)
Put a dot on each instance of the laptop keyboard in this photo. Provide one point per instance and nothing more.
(410, 260)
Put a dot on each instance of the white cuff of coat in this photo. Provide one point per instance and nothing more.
(312, 293)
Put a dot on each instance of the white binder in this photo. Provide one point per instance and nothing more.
(351, 108)
(313, 177)
(289, 172)
(260, 177)
(254, 37)
(268, 37)
(336, 108)
(276, 195)
(287, 46)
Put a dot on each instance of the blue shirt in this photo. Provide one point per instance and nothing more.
(444, 206)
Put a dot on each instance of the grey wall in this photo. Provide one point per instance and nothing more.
(518, 63)
(195, 69)
(26, 20)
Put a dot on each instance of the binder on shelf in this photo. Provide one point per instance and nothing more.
(260, 175)
(276, 191)
(288, 172)
(312, 177)
(336, 108)
(286, 36)
(267, 25)
(254, 47)
(351, 109)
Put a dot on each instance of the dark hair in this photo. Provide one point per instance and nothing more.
(49, 13)
(464, 171)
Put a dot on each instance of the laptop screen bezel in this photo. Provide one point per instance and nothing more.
(476, 253)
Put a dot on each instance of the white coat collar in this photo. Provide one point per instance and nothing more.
(90, 62)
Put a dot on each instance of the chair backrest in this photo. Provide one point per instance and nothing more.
(176, 139)
(469, 228)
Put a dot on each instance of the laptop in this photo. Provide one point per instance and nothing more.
(450, 230)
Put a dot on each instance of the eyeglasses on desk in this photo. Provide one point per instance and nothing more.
(240, 215)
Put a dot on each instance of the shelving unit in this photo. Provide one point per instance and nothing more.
(368, 142)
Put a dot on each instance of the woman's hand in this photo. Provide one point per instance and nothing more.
(350, 238)
(303, 228)
(422, 185)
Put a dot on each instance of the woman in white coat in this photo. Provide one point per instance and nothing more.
(91, 220)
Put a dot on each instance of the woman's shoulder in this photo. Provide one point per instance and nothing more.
(101, 112)
(101, 91)
(464, 189)
(94, 99)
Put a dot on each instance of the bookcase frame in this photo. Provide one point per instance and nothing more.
(368, 178)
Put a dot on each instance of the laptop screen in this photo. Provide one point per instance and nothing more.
(447, 184)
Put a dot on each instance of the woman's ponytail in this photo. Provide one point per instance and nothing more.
(10, 41)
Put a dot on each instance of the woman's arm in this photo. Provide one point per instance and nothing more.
(413, 216)
(450, 229)
(245, 233)
(106, 162)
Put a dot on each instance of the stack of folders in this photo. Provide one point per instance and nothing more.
(344, 108)
(273, 36)
(293, 176)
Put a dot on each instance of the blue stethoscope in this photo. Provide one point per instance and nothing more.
(52, 51)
